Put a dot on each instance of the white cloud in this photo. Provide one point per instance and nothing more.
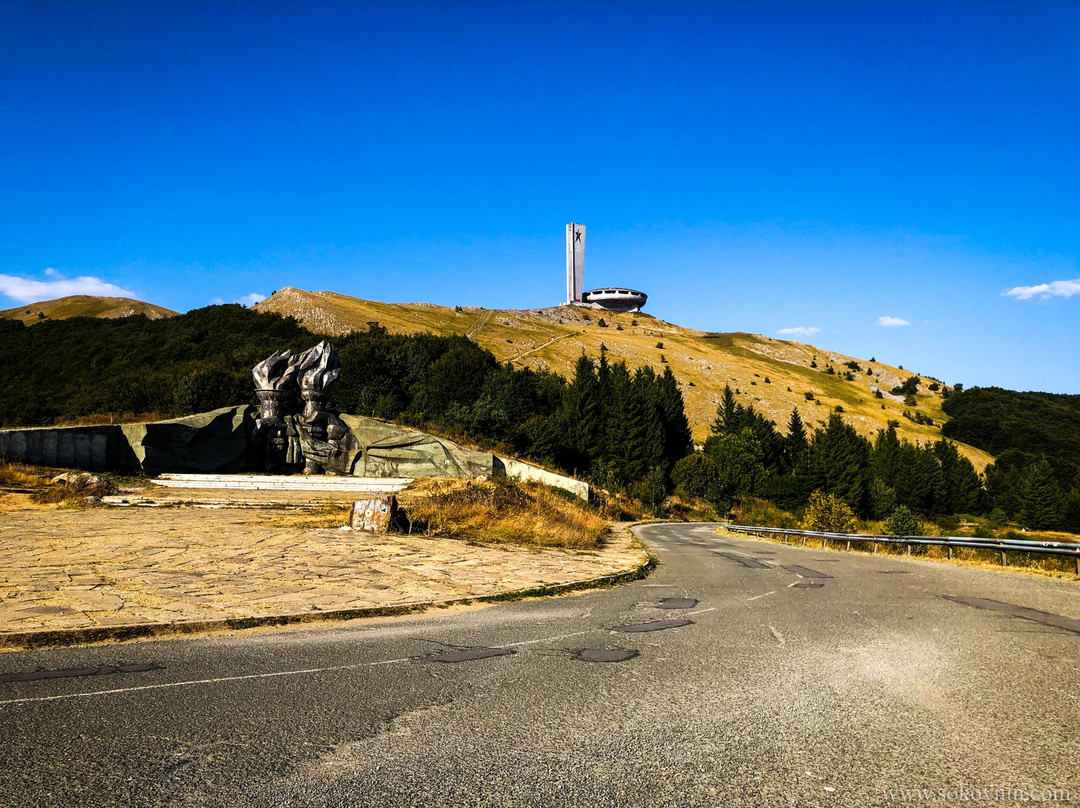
(217, 301)
(252, 299)
(798, 331)
(27, 290)
(892, 322)
(1045, 290)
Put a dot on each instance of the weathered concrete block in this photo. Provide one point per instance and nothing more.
(65, 452)
(18, 447)
(82, 450)
(50, 443)
(376, 515)
(99, 450)
(33, 446)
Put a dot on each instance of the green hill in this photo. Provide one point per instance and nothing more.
(85, 306)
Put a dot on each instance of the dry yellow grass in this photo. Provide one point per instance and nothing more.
(22, 478)
(524, 514)
(772, 375)
(485, 511)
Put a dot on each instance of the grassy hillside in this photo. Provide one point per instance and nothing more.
(773, 375)
(84, 306)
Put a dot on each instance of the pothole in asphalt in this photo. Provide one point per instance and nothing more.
(606, 654)
(73, 673)
(678, 603)
(751, 563)
(655, 625)
(469, 654)
(806, 572)
(894, 572)
(1023, 612)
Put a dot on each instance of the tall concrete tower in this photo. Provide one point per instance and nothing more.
(575, 261)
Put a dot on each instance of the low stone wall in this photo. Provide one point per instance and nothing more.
(82, 447)
(518, 470)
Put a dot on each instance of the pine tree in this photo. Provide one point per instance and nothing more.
(726, 413)
(1040, 497)
(962, 484)
(840, 463)
(678, 442)
(581, 415)
(795, 444)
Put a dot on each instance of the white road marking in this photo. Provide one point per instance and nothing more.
(779, 637)
(545, 639)
(764, 594)
(245, 677)
(702, 611)
(216, 680)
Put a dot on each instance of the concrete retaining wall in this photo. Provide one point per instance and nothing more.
(82, 447)
(518, 470)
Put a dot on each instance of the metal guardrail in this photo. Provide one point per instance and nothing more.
(1002, 546)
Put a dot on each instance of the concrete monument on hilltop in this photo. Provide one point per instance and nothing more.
(612, 298)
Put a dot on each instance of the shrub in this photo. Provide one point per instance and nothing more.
(808, 396)
(660, 345)
(828, 513)
(908, 388)
(903, 522)
(948, 523)
(602, 323)
(650, 489)
(697, 476)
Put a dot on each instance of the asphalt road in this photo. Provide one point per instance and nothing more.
(739, 673)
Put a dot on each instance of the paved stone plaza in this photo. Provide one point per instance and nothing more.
(65, 569)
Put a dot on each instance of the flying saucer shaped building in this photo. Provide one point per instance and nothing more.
(614, 298)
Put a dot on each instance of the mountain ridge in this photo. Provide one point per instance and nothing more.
(63, 308)
(773, 375)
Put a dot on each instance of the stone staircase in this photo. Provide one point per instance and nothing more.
(283, 482)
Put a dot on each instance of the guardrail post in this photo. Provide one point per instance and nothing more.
(804, 540)
(1004, 559)
(875, 548)
(824, 542)
(908, 547)
(949, 548)
(848, 545)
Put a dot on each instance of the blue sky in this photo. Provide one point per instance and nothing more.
(897, 180)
